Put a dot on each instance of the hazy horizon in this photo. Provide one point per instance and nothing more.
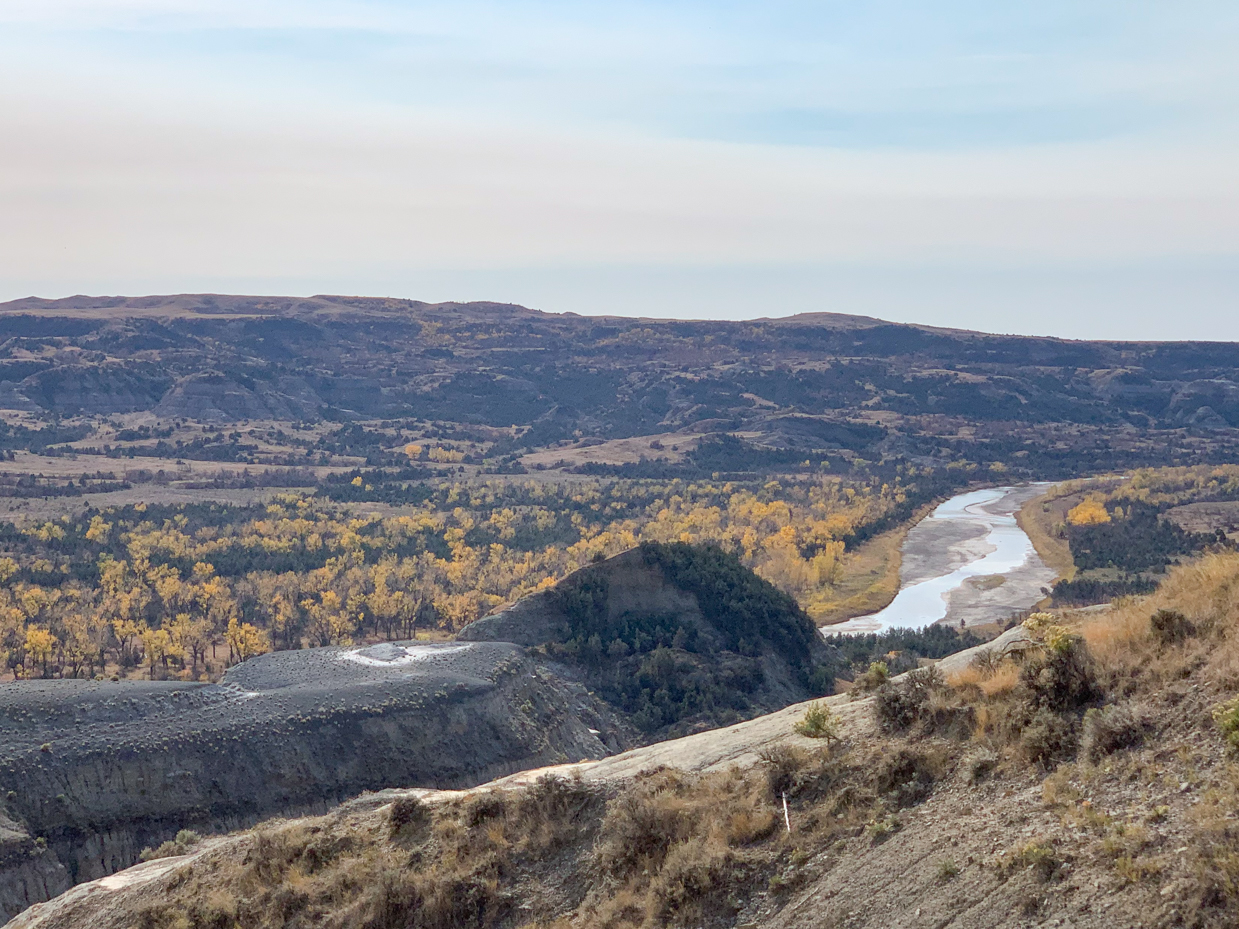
(1055, 170)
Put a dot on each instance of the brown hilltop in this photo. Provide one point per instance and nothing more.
(232, 305)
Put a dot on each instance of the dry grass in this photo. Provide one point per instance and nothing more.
(870, 576)
(1041, 518)
(667, 848)
(991, 682)
(1206, 593)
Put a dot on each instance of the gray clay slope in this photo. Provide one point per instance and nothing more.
(99, 770)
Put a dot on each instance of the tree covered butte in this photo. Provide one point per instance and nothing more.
(678, 637)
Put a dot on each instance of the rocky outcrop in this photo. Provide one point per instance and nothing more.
(213, 397)
(94, 389)
(1207, 404)
(96, 771)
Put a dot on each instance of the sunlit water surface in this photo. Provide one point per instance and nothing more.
(925, 602)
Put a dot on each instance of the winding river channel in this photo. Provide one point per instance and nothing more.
(966, 563)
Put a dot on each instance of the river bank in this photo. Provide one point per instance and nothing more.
(967, 563)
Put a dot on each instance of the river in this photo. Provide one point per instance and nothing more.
(968, 561)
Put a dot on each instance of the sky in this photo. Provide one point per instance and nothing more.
(1050, 168)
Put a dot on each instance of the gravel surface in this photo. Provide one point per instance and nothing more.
(84, 716)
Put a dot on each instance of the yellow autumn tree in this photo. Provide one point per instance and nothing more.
(245, 640)
(40, 646)
(1090, 512)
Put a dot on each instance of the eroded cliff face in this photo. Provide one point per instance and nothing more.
(29, 871)
(94, 772)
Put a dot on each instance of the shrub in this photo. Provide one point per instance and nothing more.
(1171, 626)
(948, 870)
(1111, 728)
(184, 842)
(782, 763)
(1226, 715)
(188, 837)
(987, 660)
(485, 806)
(906, 777)
(1061, 676)
(552, 811)
(1040, 856)
(641, 825)
(818, 722)
(406, 901)
(903, 704)
(1048, 738)
(875, 677)
(881, 828)
(407, 815)
(981, 765)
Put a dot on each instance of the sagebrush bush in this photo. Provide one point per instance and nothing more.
(1108, 729)
(1039, 856)
(782, 763)
(184, 843)
(1171, 626)
(1061, 676)
(907, 776)
(1048, 738)
(1226, 715)
(406, 815)
(921, 701)
(987, 660)
(877, 675)
(981, 764)
(901, 704)
(552, 811)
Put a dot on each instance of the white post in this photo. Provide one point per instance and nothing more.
(786, 819)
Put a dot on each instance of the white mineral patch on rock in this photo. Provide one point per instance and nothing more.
(387, 655)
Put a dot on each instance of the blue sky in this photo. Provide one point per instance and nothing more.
(1058, 168)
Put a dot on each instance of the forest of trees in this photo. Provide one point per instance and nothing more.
(1121, 541)
(182, 591)
(657, 669)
